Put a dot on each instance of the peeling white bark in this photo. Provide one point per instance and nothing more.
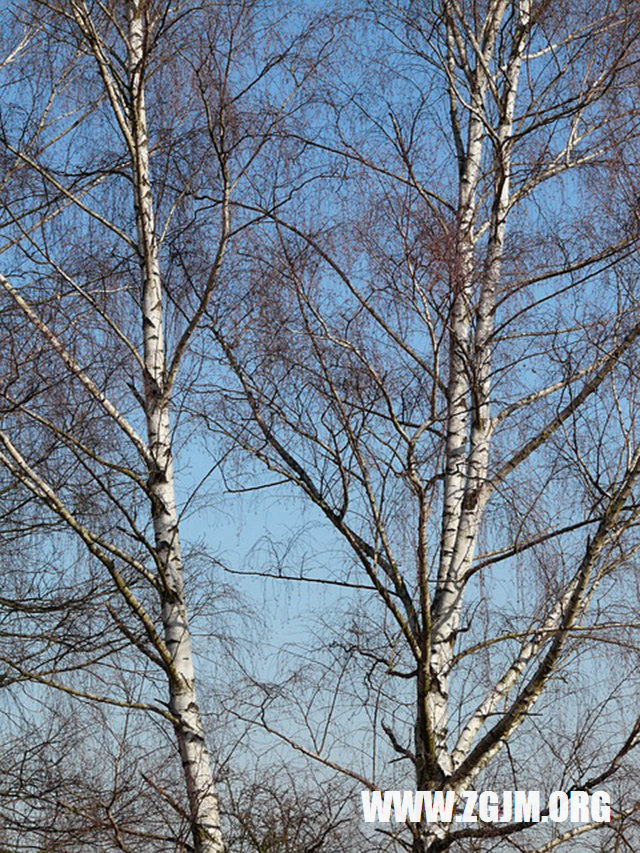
(189, 730)
(469, 424)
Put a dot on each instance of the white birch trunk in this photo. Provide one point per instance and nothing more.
(196, 763)
(448, 597)
(469, 391)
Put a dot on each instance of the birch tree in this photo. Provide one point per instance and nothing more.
(167, 641)
(442, 359)
(127, 129)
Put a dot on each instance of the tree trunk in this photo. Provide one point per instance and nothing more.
(196, 763)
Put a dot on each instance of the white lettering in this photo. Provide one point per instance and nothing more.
(468, 815)
(438, 806)
(405, 805)
(526, 806)
(601, 807)
(507, 806)
(579, 807)
(488, 806)
(374, 808)
(558, 806)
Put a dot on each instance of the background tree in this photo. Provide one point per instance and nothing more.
(441, 357)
